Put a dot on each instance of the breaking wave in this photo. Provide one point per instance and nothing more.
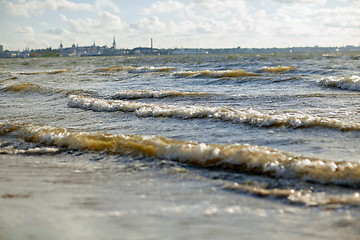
(137, 94)
(347, 83)
(28, 88)
(133, 69)
(29, 151)
(305, 197)
(242, 158)
(248, 116)
(278, 69)
(216, 74)
(58, 71)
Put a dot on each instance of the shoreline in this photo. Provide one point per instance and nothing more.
(57, 197)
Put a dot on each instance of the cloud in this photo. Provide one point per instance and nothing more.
(165, 7)
(54, 31)
(36, 7)
(105, 23)
(26, 31)
(22, 8)
(150, 25)
(310, 2)
(220, 5)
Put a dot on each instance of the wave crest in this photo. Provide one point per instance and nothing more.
(347, 83)
(216, 74)
(244, 158)
(308, 198)
(28, 88)
(133, 69)
(57, 71)
(137, 94)
(248, 116)
(278, 69)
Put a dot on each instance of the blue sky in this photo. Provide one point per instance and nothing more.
(179, 23)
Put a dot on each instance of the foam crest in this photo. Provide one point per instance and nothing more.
(216, 74)
(30, 151)
(114, 69)
(297, 196)
(133, 69)
(278, 69)
(347, 83)
(57, 71)
(137, 94)
(151, 69)
(248, 116)
(27, 87)
(243, 158)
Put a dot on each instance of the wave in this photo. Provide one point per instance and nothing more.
(247, 116)
(29, 151)
(133, 69)
(234, 73)
(347, 83)
(137, 94)
(308, 198)
(216, 74)
(27, 87)
(250, 159)
(278, 69)
(45, 72)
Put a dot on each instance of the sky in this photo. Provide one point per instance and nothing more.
(37, 24)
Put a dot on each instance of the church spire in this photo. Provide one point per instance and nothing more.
(114, 43)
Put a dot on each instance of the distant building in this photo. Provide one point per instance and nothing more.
(114, 44)
(1, 49)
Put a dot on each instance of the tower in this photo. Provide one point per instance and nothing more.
(114, 43)
(151, 43)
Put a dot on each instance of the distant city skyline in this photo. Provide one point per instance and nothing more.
(38, 24)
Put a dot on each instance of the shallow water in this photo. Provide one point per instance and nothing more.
(190, 146)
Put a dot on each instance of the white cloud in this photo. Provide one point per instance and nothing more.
(165, 7)
(310, 2)
(221, 5)
(22, 8)
(104, 23)
(211, 26)
(26, 31)
(203, 23)
(36, 7)
(150, 25)
(106, 4)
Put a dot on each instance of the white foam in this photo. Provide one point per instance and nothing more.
(245, 116)
(136, 94)
(347, 83)
(243, 158)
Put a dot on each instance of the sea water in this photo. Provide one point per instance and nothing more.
(181, 147)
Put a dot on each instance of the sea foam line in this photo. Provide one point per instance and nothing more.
(248, 116)
(243, 158)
